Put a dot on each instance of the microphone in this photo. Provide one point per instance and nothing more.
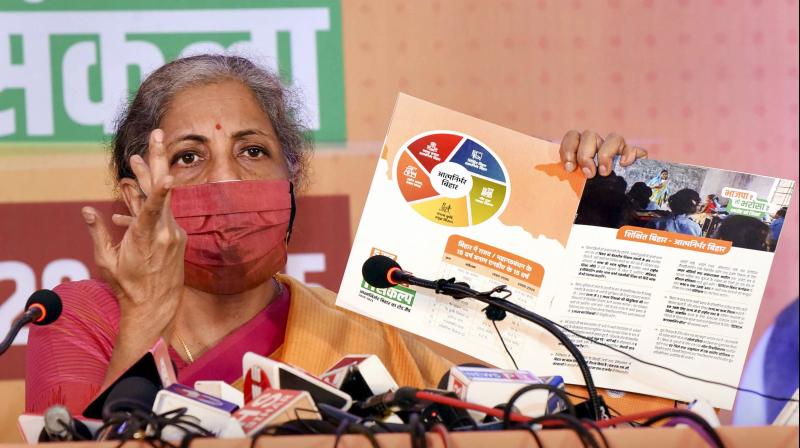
(60, 426)
(261, 373)
(206, 413)
(434, 406)
(32, 427)
(382, 272)
(388, 403)
(360, 376)
(220, 389)
(43, 308)
(492, 387)
(155, 366)
(274, 407)
(131, 396)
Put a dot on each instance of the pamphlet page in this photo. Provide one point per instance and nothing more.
(454, 196)
(664, 261)
(669, 263)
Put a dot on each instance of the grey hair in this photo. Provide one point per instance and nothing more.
(148, 107)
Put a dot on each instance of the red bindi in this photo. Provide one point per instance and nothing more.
(218, 126)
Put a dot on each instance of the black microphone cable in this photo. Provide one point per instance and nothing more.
(652, 364)
(416, 427)
(355, 428)
(378, 271)
(503, 341)
(147, 426)
(509, 406)
(567, 421)
(702, 424)
(417, 431)
(128, 415)
(599, 431)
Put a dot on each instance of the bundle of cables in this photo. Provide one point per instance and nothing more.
(418, 419)
(587, 428)
(421, 411)
(127, 415)
(149, 427)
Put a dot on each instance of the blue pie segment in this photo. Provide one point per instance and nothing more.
(477, 159)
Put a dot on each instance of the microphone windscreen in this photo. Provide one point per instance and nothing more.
(59, 425)
(376, 269)
(51, 303)
(56, 419)
(134, 393)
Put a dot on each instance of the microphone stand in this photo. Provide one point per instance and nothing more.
(496, 310)
(29, 316)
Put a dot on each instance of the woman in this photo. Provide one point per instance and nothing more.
(712, 204)
(205, 158)
(681, 204)
(660, 186)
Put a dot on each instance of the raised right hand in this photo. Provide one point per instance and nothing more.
(578, 150)
(145, 269)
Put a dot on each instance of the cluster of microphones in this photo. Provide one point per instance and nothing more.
(279, 399)
(276, 398)
(356, 394)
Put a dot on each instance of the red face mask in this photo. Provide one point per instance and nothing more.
(237, 232)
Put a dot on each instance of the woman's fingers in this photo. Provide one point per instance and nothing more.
(580, 149)
(630, 154)
(611, 147)
(142, 173)
(568, 149)
(157, 165)
(122, 220)
(157, 155)
(154, 206)
(587, 148)
(101, 239)
(155, 178)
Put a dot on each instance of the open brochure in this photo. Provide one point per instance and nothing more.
(667, 262)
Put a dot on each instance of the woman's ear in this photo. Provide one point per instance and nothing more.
(133, 195)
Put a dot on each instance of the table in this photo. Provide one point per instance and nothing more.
(762, 437)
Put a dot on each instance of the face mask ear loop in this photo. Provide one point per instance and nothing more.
(292, 213)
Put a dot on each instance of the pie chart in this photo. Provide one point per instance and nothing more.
(451, 178)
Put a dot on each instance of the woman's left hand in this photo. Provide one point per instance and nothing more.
(578, 150)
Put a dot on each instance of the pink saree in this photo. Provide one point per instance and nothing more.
(66, 361)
